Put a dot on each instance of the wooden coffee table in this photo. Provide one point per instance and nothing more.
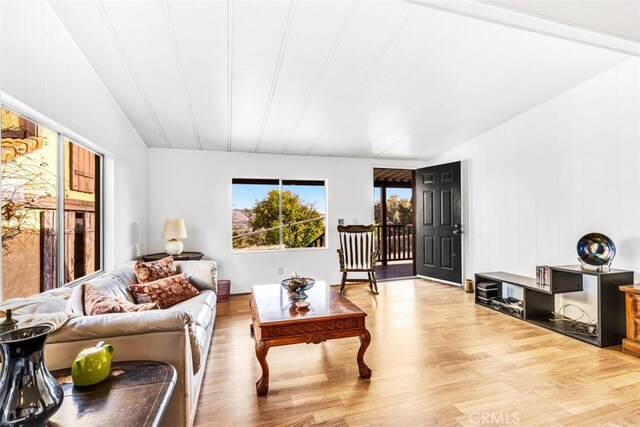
(277, 321)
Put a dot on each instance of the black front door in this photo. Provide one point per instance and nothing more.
(439, 222)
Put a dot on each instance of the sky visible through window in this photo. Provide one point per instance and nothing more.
(245, 196)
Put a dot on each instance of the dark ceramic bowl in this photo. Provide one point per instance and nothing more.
(596, 249)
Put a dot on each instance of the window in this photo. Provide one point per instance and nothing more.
(50, 208)
(81, 213)
(272, 214)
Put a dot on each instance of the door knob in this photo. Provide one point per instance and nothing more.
(457, 229)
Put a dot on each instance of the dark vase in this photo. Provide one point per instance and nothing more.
(29, 395)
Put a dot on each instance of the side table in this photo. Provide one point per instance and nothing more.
(134, 394)
(184, 256)
(631, 344)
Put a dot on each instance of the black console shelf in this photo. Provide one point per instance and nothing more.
(539, 300)
(564, 327)
(514, 279)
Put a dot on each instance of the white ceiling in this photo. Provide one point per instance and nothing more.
(619, 18)
(385, 79)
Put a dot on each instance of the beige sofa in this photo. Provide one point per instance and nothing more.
(179, 335)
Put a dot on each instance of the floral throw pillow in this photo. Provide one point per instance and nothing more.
(154, 270)
(164, 292)
(97, 301)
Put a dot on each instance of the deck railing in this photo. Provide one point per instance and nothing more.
(318, 242)
(394, 242)
(398, 245)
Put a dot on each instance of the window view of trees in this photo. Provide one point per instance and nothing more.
(30, 217)
(270, 214)
(399, 210)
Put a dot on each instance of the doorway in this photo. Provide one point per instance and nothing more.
(439, 222)
(394, 219)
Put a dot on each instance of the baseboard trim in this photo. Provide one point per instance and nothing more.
(391, 279)
(444, 282)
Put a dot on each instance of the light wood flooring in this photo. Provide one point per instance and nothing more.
(436, 358)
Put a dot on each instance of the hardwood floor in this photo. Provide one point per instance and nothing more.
(436, 358)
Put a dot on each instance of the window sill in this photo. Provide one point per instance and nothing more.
(283, 250)
(83, 279)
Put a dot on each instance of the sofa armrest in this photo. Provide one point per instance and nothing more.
(122, 324)
(202, 274)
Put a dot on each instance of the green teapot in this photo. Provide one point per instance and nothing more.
(92, 365)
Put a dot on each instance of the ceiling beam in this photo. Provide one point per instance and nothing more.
(536, 24)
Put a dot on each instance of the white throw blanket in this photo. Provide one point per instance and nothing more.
(47, 308)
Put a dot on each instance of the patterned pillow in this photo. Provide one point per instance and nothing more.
(97, 301)
(154, 270)
(164, 292)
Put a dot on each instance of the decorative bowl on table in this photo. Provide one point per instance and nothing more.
(296, 287)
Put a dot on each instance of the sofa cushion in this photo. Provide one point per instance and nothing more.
(124, 273)
(107, 284)
(147, 272)
(113, 287)
(164, 292)
(75, 305)
(201, 335)
(201, 308)
(97, 301)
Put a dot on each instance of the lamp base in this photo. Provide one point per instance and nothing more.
(173, 247)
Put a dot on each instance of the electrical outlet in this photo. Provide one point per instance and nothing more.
(340, 221)
(280, 271)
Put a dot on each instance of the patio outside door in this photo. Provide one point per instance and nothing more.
(394, 219)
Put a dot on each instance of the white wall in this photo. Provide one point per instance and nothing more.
(42, 67)
(196, 186)
(537, 183)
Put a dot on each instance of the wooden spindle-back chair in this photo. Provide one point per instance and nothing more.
(358, 254)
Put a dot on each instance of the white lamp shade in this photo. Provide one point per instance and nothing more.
(174, 229)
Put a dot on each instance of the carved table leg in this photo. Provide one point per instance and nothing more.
(262, 385)
(365, 339)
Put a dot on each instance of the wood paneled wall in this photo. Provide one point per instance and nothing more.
(535, 184)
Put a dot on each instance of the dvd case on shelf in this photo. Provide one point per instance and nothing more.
(543, 275)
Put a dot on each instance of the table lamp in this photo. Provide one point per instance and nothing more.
(174, 230)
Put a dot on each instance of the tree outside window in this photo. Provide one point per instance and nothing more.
(274, 214)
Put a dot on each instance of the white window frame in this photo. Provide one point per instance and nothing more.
(281, 247)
